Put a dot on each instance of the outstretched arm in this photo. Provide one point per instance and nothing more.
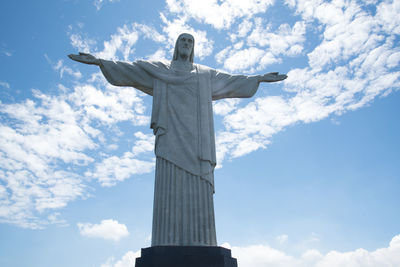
(239, 86)
(119, 73)
(85, 58)
(272, 77)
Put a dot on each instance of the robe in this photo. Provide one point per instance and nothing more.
(182, 121)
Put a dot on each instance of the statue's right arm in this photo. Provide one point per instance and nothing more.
(119, 73)
(85, 58)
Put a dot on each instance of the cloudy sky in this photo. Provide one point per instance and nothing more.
(309, 168)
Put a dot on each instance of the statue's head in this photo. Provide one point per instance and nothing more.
(184, 46)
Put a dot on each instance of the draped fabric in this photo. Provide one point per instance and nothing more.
(183, 212)
(182, 120)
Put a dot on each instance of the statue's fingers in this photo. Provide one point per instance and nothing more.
(73, 56)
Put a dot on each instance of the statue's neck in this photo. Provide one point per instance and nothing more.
(180, 65)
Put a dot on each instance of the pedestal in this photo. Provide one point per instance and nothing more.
(185, 256)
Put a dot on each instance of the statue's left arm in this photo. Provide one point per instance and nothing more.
(239, 86)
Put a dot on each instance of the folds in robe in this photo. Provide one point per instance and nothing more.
(182, 116)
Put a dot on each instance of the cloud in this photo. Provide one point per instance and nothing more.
(221, 15)
(387, 14)
(172, 28)
(245, 59)
(128, 260)
(99, 3)
(225, 106)
(122, 44)
(4, 84)
(61, 68)
(356, 61)
(258, 45)
(111, 105)
(51, 140)
(282, 239)
(107, 229)
(82, 44)
(285, 40)
(47, 145)
(116, 169)
(5, 50)
(264, 255)
(123, 41)
(34, 140)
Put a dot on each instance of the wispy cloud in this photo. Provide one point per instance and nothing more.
(220, 15)
(173, 27)
(356, 61)
(106, 229)
(46, 142)
(116, 169)
(83, 44)
(4, 84)
(62, 68)
(99, 3)
(282, 239)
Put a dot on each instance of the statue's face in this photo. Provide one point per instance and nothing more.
(185, 45)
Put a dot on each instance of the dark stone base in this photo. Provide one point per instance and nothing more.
(185, 256)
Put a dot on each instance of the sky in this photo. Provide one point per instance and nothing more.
(308, 169)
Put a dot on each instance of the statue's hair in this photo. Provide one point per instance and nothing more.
(175, 57)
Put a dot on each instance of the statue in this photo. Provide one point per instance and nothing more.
(182, 121)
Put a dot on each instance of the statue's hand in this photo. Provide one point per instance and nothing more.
(85, 58)
(272, 77)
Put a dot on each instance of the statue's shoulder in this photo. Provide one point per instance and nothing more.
(204, 68)
(154, 64)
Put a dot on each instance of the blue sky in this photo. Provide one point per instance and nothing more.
(309, 169)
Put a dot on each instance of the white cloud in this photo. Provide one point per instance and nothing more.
(159, 55)
(35, 140)
(128, 260)
(46, 141)
(264, 255)
(172, 28)
(122, 44)
(387, 14)
(262, 47)
(247, 59)
(219, 14)
(64, 69)
(99, 3)
(143, 144)
(111, 105)
(225, 106)
(61, 68)
(49, 140)
(282, 239)
(122, 41)
(82, 44)
(285, 40)
(354, 63)
(243, 59)
(4, 84)
(107, 229)
(116, 169)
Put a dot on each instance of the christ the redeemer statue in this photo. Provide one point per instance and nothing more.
(182, 121)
